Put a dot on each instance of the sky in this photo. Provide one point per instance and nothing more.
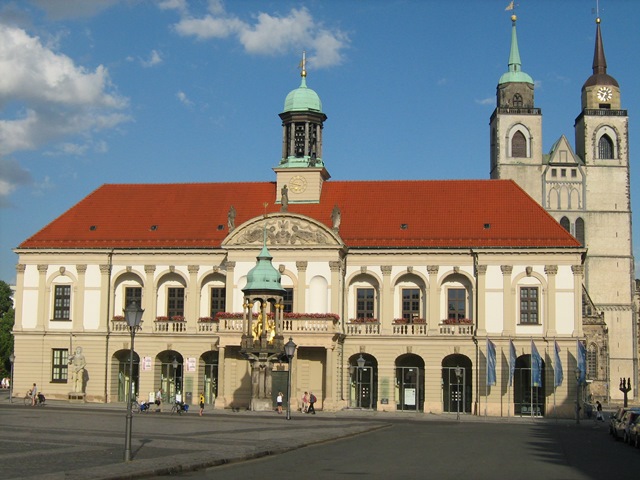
(180, 91)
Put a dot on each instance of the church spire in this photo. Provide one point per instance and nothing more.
(515, 73)
(599, 61)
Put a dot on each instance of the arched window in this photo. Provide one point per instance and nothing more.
(592, 361)
(517, 100)
(580, 230)
(518, 145)
(564, 221)
(605, 147)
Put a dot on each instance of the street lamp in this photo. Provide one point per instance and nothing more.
(12, 358)
(577, 395)
(175, 379)
(133, 315)
(458, 371)
(289, 350)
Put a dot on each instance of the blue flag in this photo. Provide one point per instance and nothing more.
(536, 366)
(512, 361)
(582, 363)
(491, 363)
(558, 375)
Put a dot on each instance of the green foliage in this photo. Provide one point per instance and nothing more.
(7, 319)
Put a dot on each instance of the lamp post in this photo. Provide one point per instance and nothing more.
(174, 364)
(12, 358)
(133, 315)
(289, 350)
(458, 371)
(577, 395)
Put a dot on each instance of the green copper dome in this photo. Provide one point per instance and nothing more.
(264, 276)
(515, 73)
(302, 99)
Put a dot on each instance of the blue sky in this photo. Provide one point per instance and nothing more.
(126, 91)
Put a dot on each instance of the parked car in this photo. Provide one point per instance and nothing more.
(634, 433)
(621, 426)
(613, 419)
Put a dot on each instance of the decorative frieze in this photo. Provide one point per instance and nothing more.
(43, 268)
(334, 265)
(81, 269)
(193, 268)
(577, 269)
(105, 269)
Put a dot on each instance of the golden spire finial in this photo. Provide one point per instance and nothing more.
(303, 64)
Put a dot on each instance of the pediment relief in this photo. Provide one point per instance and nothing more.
(283, 230)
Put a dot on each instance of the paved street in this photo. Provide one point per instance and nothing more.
(62, 441)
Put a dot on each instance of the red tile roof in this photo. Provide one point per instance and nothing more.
(435, 213)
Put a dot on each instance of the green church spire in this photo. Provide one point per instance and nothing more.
(515, 73)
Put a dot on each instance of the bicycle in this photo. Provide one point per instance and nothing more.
(179, 408)
(137, 407)
(40, 400)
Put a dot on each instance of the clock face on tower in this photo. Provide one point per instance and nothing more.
(298, 184)
(604, 94)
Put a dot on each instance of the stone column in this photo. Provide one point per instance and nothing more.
(578, 273)
(329, 372)
(433, 304)
(550, 304)
(229, 286)
(481, 292)
(508, 311)
(193, 299)
(78, 300)
(386, 298)
(336, 284)
(44, 297)
(18, 298)
(222, 393)
(150, 298)
(105, 277)
(300, 300)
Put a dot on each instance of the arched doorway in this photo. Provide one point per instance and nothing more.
(409, 387)
(121, 381)
(210, 377)
(363, 389)
(457, 384)
(527, 399)
(169, 367)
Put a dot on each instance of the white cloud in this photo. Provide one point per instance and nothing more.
(154, 59)
(268, 34)
(12, 176)
(486, 101)
(184, 99)
(180, 5)
(55, 97)
(61, 9)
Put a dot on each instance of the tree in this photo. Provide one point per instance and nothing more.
(7, 319)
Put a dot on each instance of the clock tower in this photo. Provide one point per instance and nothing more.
(601, 132)
(301, 168)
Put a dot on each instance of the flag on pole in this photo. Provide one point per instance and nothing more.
(582, 363)
(509, 7)
(558, 375)
(491, 363)
(536, 366)
(512, 361)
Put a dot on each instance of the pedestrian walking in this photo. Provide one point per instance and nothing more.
(312, 401)
(158, 401)
(34, 395)
(279, 402)
(305, 402)
(201, 403)
(599, 415)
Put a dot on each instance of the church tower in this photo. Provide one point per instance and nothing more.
(601, 132)
(301, 171)
(516, 127)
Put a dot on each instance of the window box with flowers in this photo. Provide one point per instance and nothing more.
(208, 320)
(363, 320)
(174, 318)
(457, 321)
(118, 318)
